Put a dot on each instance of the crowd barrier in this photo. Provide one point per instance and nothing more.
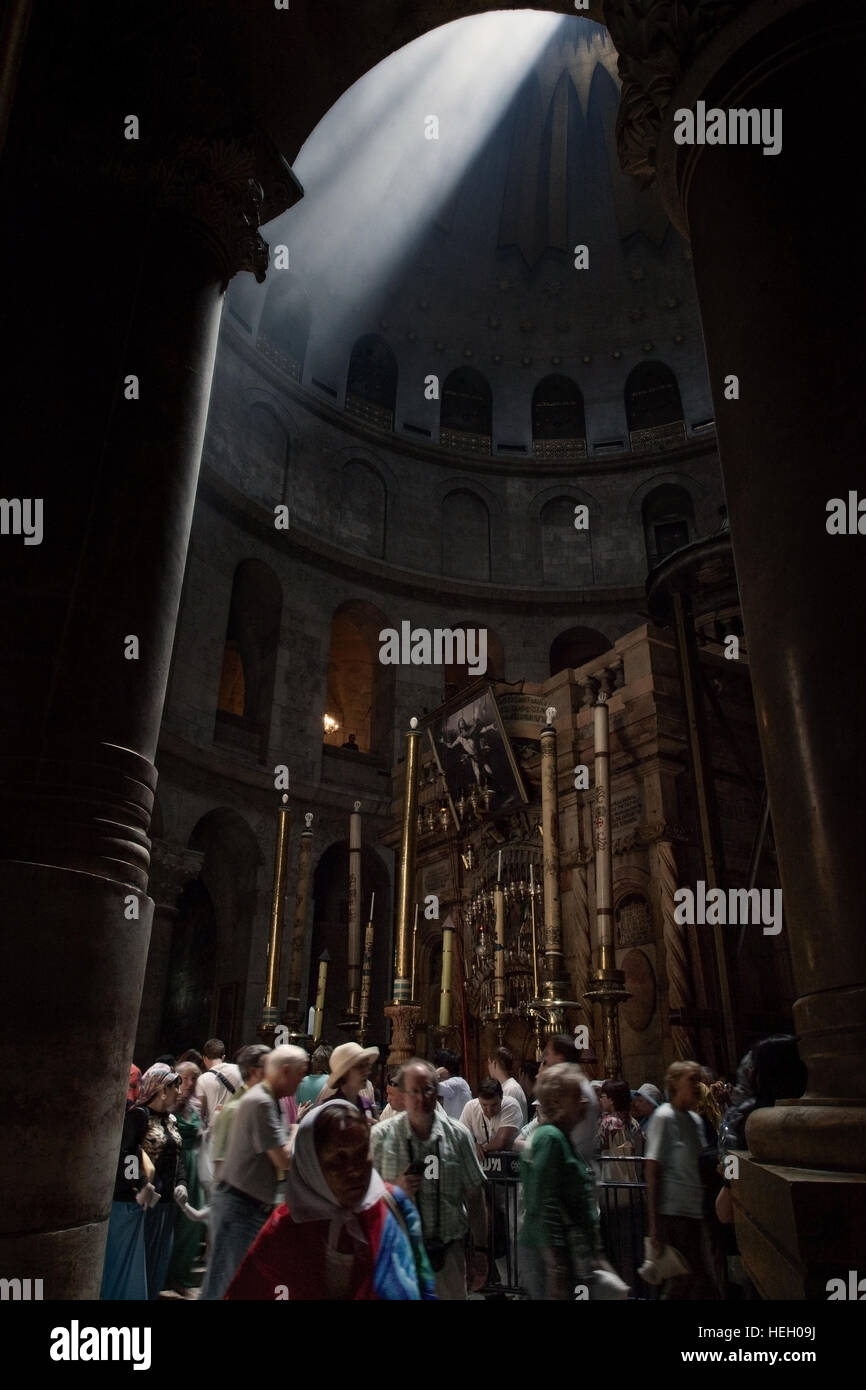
(622, 1204)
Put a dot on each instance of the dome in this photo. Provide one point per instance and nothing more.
(476, 269)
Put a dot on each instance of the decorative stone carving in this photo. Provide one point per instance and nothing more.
(656, 41)
(171, 866)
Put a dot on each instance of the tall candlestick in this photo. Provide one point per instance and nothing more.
(447, 963)
(406, 889)
(555, 976)
(299, 926)
(354, 911)
(414, 946)
(320, 995)
(534, 940)
(366, 974)
(499, 952)
(270, 1015)
(601, 828)
(499, 869)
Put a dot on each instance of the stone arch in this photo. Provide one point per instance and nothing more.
(465, 535)
(246, 689)
(209, 956)
(668, 521)
(360, 688)
(371, 382)
(575, 647)
(330, 933)
(363, 508)
(653, 406)
(558, 418)
(566, 553)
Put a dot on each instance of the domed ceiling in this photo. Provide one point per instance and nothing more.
(446, 195)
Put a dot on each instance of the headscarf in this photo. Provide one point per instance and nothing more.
(308, 1196)
(153, 1080)
(132, 1089)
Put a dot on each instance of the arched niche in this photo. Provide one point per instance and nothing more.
(246, 688)
(360, 697)
(668, 521)
(566, 553)
(653, 406)
(575, 647)
(371, 382)
(284, 329)
(558, 419)
(466, 412)
(465, 535)
(209, 957)
(363, 508)
(330, 933)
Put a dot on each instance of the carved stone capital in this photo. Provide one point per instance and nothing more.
(171, 866)
(656, 41)
(219, 186)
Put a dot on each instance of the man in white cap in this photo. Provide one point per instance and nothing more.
(348, 1079)
(645, 1102)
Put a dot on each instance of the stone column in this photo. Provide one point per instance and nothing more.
(775, 281)
(555, 983)
(118, 254)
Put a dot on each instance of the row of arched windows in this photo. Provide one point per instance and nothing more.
(360, 689)
(652, 395)
(652, 399)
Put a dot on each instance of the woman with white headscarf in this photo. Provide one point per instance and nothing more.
(342, 1233)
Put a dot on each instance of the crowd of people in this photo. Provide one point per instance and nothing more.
(283, 1175)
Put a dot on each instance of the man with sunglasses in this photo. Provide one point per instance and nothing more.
(432, 1157)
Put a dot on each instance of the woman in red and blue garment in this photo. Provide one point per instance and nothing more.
(342, 1234)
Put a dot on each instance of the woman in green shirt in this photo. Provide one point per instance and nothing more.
(559, 1236)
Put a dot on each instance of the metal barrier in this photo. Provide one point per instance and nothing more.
(622, 1208)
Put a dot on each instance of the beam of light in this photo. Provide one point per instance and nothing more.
(374, 184)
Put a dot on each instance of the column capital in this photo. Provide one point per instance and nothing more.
(219, 185)
(656, 41)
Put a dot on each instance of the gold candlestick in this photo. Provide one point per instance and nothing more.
(447, 966)
(270, 1013)
(499, 952)
(320, 995)
(366, 976)
(354, 914)
(414, 946)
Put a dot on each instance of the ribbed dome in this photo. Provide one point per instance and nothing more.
(430, 255)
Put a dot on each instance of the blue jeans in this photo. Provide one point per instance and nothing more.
(239, 1221)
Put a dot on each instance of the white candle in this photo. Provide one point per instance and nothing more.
(499, 870)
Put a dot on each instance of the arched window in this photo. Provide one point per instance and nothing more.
(653, 407)
(363, 502)
(566, 553)
(465, 536)
(285, 325)
(360, 697)
(466, 412)
(668, 521)
(246, 690)
(558, 422)
(371, 385)
(576, 647)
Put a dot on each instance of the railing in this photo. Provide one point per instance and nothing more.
(464, 442)
(559, 448)
(622, 1202)
(290, 365)
(373, 414)
(658, 437)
